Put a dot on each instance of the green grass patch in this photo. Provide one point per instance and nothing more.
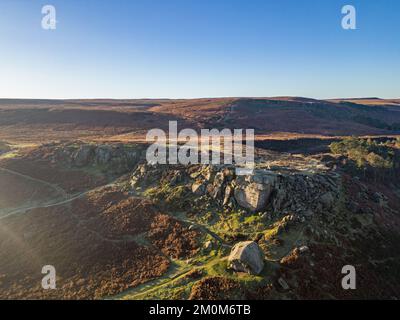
(231, 223)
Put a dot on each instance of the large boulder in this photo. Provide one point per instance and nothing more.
(253, 192)
(246, 256)
(253, 196)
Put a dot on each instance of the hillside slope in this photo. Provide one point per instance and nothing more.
(115, 226)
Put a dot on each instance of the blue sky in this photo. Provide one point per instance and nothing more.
(202, 48)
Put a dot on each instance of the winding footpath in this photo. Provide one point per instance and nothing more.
(55, 187)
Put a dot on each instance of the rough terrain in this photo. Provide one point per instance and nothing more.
(77, 193)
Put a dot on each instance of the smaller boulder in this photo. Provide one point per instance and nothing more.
(246, 256)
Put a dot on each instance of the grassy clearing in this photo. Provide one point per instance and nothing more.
(239, 223)
(178, 197)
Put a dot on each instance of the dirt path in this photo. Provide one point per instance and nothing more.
(55, 187)
(67, 197)
(175, 272)
(66, 202)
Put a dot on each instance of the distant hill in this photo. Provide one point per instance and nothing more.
(289, 114)
(370, 101)
(108, 117)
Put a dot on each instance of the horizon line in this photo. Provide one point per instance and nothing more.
(203, 98)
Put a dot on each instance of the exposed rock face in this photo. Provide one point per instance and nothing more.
(250, 192)
(83, 155)
(103, 154)
(115, 158)
(247, 257)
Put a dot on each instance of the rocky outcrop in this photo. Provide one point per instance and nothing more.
(284, 193)
(115, 158)
(221, 183)
(305, 194)
(247, 257)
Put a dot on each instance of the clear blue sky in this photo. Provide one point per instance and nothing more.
(202, 48)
